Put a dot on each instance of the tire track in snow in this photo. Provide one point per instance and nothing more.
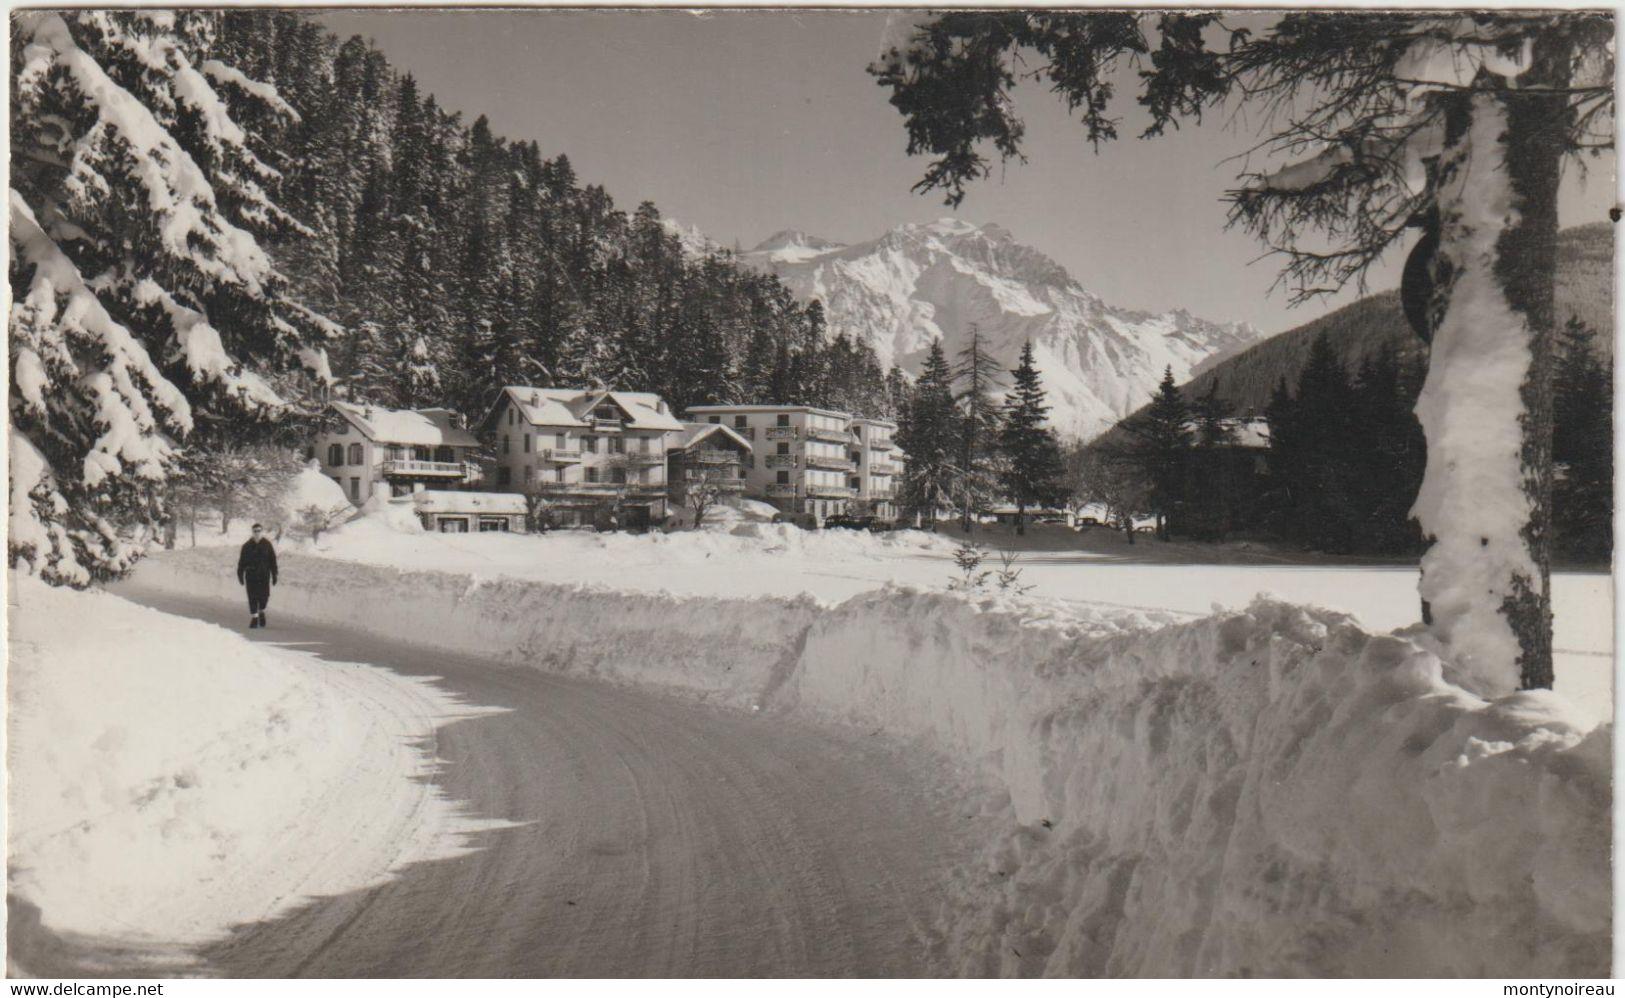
(658, 837)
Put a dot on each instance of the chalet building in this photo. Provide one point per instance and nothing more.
(367, 447)
(877, 466)
(589, 454)
(1229, 482)
(707, 454)
(803, 456)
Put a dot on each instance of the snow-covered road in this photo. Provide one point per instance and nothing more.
(655, 837)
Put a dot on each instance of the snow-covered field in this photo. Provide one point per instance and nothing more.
(1096, 569)
(168, 778)
(1266, 789)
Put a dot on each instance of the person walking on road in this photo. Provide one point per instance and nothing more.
(256, 569)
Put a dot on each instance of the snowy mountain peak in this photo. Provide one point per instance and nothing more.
(793, 245)
(932, 281)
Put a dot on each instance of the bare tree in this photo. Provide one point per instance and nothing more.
(1107, 478)
(312, 520)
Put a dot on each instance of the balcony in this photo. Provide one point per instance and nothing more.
(829, 491)
(607, 425)
(720, 484)
(884, 468)
(783, 433)
(646, 490)
(881, 494)
(430, 469)
(829, 435)
(561, 455)
(827, 463)
(779, 461)
(711, 456)
(880, 443)
(644, 460)
(784, 490)
(579, 488)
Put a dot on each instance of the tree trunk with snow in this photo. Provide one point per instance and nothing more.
(1486, 407)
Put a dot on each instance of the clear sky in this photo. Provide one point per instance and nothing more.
(745, 123)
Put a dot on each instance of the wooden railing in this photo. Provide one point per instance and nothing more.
(408, 466)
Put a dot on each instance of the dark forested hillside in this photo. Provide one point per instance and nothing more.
(1361, 331)
(459, 260)
(1346, 453)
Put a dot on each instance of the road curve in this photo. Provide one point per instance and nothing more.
(659, 838)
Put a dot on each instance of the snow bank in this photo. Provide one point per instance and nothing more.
(312, 488)
(1266, 792)
(723, 649)
(168, 777)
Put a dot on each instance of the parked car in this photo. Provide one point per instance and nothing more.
(1085, 522)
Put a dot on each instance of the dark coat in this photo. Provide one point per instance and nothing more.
(257, 561)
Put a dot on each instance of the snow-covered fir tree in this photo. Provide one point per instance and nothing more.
(1458, 123)
(145, 311)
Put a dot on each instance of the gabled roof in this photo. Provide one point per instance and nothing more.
(693, 433)
(573, 407)
(440, 501)
(415, 427)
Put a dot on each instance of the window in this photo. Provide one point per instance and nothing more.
(444, 455)
(504, 443)
(421, 454)
(783, 448)
(739, 422)
(310, 453)
(527, 443)
(589, 444)
(784, 478)
(852, 483)
(504, 475)
(493, 524)
(589, 474)
(617, 445)
(856, 457)
(355, 453)
(784, 419)
(530, 474)
(510, 415)
(617, 475)
(558, 475)
(559, 441)
(335, 455)
(355, 490)
(643, 445)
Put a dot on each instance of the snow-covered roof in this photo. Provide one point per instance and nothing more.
(733, 409)
(573, 407)
(418, 427)
(693, 433)
(434, 501)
